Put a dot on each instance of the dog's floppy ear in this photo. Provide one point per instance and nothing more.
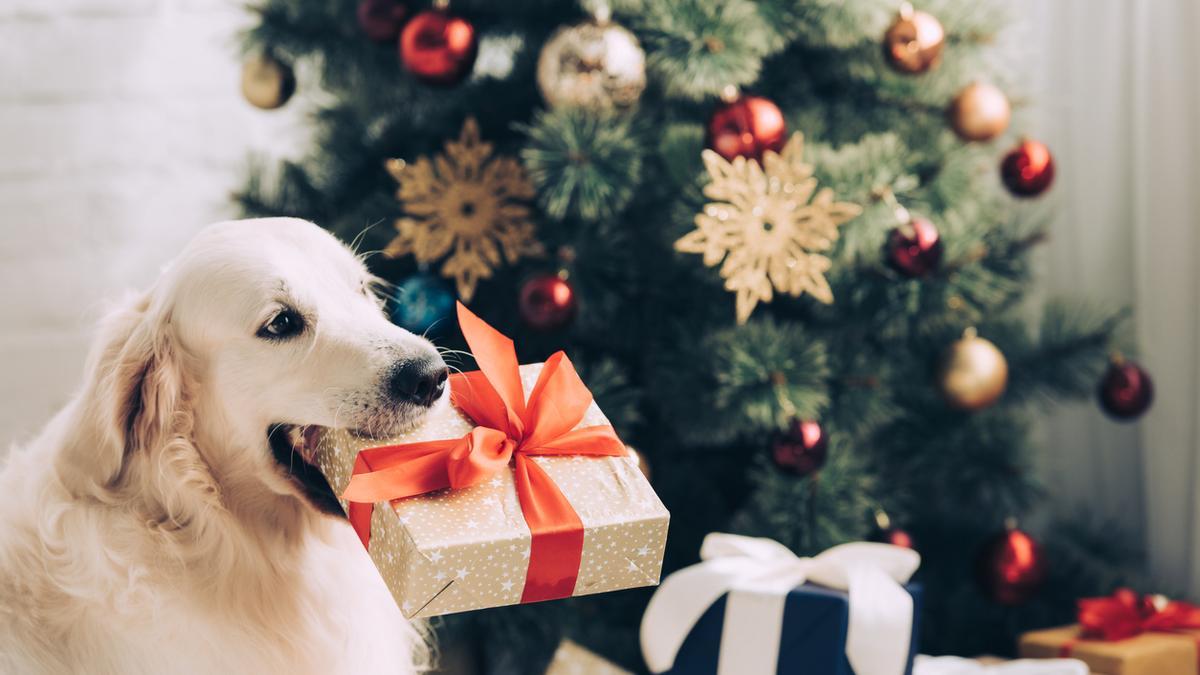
(135, 433)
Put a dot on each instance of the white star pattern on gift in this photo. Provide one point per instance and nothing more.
(453, 551)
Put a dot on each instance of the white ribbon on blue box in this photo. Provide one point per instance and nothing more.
(758, 574)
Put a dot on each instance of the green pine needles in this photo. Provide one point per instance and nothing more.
(768, 374)
(698, 47)
(585, 165)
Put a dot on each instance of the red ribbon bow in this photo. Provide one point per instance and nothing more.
(509, 429)
(1124, 614)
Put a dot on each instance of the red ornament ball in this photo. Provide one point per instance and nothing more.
(547, 302)
(438, 48)
(894, 536)
(1010, 567)
(746, 127)
(1028, 169)
(381, 20)
(802, 449)
(915, 249)
(1126, 391)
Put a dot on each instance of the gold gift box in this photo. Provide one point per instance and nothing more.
(457, 550)
(1145, 654)
(574, 659)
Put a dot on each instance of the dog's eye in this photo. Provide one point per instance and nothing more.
(285, 324)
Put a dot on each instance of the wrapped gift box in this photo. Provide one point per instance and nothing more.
(813, 640)
(456, 550)
(574, 659)
(1145, 654)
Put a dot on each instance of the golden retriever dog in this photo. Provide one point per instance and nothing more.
(167, 521)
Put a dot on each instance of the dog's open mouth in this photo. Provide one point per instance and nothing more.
(293, 448)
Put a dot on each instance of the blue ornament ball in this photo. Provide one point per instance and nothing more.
(421, 303)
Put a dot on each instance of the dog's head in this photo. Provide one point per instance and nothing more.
(285, 327)
(259, 333)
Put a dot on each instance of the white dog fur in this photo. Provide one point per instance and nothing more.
(148, 528)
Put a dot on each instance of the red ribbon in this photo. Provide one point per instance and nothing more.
(508, 430)
(1124, 614)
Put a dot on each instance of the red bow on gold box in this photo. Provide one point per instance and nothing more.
(1125, 634)
(1125, 614)
(585, 520)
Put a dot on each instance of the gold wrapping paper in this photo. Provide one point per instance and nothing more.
(1145, 654)
(458, 550)
(573, 659)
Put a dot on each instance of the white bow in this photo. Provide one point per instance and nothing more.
(758, 574)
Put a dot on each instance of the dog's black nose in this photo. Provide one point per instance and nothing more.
(420, 381)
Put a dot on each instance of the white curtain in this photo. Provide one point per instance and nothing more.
(1116, 95)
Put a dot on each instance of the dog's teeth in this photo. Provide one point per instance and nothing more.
(298, 438)
(295, 437)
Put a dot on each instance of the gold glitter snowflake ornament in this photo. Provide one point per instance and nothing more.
(767, 226)
(467, 205)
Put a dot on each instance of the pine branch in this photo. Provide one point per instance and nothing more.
(699, 47)
(750, 380)
(585, 165)
(1069, 356)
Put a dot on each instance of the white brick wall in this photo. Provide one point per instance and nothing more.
(122, 131)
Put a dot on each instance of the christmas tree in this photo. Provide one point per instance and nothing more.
(782, 240)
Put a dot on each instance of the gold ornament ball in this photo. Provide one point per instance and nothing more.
(973, 373)
(267, 82)
(980, 112)
(597, 65)
(640, 460)
(913, 44)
